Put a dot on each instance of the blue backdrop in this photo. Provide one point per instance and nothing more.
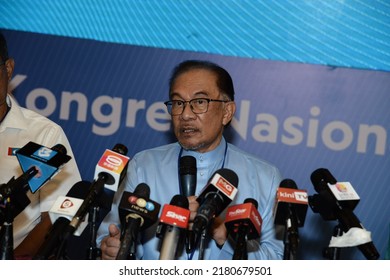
(298, 116)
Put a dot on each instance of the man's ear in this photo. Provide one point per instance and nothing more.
(229, 110)
(10, 65)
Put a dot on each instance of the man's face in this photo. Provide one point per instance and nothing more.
(6, 69)
(200, 132)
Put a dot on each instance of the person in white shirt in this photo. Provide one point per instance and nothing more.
(18, 126)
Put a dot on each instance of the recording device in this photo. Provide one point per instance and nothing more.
(187, 172)
(243, 222)
(13, 195)
(61, 213)
(336, 201)
(111, 168)
(136, 212)
(48, 161)
(215, 197)
(173, 226)
(108, 173)
(290, 211)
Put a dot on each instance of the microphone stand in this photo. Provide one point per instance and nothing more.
(291, 239)
(333, 253)
(240, 251)
(6, 235)
(93, 250)
(202, 244)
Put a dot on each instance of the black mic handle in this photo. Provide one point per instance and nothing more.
(291, 235)
(53, 238)
(6, 242)
(348, 220)
(129, 238)
(240, 250)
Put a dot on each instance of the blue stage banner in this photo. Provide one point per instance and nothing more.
(299, 117)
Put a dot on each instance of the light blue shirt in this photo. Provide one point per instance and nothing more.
(158, 168)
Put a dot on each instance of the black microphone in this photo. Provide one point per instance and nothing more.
(109, 170)
(61, 213)
(215, 197)
(172, 227)
(14, 193)
(187, 172)
(136, 212)
(112, 168)
(290, 211)
(336, 200)
(243, 222)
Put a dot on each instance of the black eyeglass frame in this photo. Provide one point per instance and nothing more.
(208, 100)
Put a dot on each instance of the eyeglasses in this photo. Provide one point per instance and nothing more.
(198, 105)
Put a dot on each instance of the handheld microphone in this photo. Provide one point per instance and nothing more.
(337, 200)
(136, 212)
(172, 227)
(215, 197)
(61, 214)
(243, 222)
(48, 161)
(290, 211)
(187, 172)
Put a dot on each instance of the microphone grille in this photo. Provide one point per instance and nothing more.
(60, 148)
(120, 149)
(288, 184)
(180, 201)
(187, 165)
(142, 190)
(253, 201)
(320, 178)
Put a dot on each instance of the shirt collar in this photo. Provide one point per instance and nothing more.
(214, 157)
(15, 118)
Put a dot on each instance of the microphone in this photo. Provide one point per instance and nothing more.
(337, 200)
(15, 192)
(109, 170)
(187, 172)
(111, 167)
(290, 211)
(60, 214)
(48, 161)
(136, 212)
(172, 227)
(215, 197)
(243, 222)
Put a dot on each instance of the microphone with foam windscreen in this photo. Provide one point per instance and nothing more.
(172, 227)
(336, 201)
(243, 222)
(290, 211)
(187, 175)
(136, 212)
(220, 190)
(187, 172)
(61, 213)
